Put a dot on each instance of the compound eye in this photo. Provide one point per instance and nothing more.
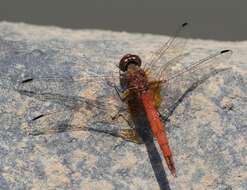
(129, 59)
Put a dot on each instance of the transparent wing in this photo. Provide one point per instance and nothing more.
(70, 104)
(181, 78)
(168, 51)
(59, 83)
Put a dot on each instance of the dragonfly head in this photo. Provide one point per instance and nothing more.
(129, 59)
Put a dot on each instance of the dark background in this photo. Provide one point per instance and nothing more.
(210, 19)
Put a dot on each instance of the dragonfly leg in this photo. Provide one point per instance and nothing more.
(119, 114)
(127, 134)
(122, 94)
(130, 135)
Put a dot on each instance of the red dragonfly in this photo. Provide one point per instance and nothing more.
(140, 89)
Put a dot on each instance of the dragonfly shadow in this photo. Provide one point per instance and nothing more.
(143, 129)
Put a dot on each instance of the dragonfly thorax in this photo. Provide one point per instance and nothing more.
(136, 78)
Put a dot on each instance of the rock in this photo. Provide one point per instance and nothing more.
(207, 126)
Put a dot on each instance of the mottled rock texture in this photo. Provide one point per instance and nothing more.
(207, 128)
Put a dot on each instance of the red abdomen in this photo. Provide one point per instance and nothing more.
(158, 129)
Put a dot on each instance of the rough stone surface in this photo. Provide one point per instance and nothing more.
(207, 130)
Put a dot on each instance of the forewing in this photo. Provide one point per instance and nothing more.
(70, 104)
(169, 50)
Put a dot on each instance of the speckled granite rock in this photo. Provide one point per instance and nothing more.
(207, 130)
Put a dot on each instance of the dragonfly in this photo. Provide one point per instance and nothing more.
(152, 88)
